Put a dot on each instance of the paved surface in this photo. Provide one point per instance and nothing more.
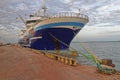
(18, 63)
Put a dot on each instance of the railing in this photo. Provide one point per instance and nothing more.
(70, 14)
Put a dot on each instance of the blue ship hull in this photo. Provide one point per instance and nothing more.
(61, 40)
(54, 36)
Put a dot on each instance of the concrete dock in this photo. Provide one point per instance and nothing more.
(17, 63)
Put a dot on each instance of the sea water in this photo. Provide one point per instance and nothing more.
(104, 50)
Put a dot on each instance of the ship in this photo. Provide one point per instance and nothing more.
(51, 32)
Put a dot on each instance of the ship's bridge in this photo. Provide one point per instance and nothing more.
(32, 20)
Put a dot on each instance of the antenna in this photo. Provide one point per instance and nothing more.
(44, 7)
(79, 10)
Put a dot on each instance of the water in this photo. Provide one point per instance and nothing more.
(109, 50)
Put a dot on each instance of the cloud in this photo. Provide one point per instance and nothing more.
(1, 27)
(21, 6)
(102, 13)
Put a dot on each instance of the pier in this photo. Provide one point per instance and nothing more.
(18, 63)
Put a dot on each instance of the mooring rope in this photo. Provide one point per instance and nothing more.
(61, 41)
(85, 47)
(88, 57)
(94, 58)
(97, 61)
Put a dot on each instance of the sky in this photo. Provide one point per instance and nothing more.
(104, 17)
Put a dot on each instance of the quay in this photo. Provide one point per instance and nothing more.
(18, 63)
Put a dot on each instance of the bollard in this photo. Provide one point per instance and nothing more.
(74, 63)
(56, 57)
(66, 60)
(62, 59)
(49, 55)
(70, 61)
(74, 53)
(52, 56)
(44, 54)
(59, 58)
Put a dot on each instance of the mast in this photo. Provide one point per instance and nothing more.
(22, 19)
(44, 7)
(79, 11)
